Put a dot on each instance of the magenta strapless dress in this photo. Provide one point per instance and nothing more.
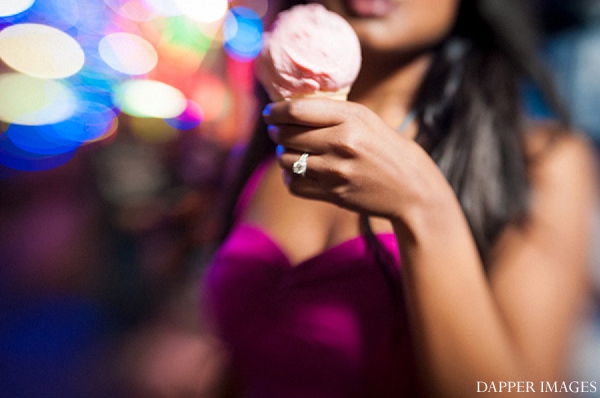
(325, 328)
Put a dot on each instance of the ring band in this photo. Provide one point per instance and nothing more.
(299, 166)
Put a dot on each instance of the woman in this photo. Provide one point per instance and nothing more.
(437, 244)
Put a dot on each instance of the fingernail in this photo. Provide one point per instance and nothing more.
(279, 150)
(267, 110)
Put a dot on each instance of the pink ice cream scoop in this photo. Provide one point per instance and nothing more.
(309, 52)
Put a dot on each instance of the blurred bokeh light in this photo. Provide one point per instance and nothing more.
(12, 7)
(40, 51)
(69, 70)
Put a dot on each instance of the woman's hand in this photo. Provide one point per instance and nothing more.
(355, 160)
(469, 326)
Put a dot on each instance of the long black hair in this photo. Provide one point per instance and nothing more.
(470, 114)
(471, 111)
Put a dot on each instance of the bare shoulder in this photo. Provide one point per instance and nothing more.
(563, 172)
(564, 191)
(561, 157)
(563, 200)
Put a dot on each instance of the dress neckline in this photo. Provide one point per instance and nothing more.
(347, 246)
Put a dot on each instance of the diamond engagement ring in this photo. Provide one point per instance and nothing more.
(299, 166)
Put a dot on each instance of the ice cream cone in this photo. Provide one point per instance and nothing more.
(310, 53)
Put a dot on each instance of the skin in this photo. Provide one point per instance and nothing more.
(512, 324)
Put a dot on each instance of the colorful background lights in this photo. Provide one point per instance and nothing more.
(71, 70)
(117, 121)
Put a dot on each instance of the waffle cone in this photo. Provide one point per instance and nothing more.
(340, 95)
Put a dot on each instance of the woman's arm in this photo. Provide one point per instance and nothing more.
(512, 326)
(516, 326)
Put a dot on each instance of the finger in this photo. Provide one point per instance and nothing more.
(303, 186)
(300, 139)
(320, 182)
(318, 167)
(280, 133)
(313, 112)
(296, 163)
